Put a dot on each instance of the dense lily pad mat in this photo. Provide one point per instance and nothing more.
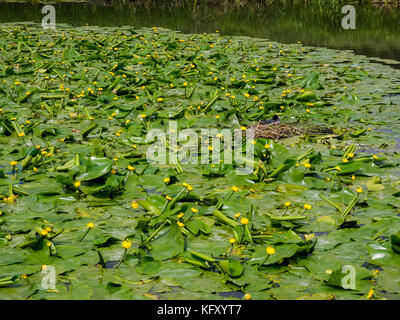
(79, 196)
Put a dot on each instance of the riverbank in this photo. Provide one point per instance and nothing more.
(220, 3)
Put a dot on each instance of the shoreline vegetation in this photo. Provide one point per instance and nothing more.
(219, 3)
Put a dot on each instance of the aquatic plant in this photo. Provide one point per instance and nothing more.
(79, 195)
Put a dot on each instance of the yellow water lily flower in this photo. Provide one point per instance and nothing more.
(126, 244)
(135, 204)
(10, 199)
(180, 215)
(370, 293)
(270, 250)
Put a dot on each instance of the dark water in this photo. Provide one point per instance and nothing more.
(377, 32)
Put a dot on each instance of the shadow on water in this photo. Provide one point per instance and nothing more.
(231, 294)
(376, 33)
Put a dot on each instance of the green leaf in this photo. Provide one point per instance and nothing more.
(169, 244)
(311, 81)
(196, 225)
(148, 265)
(307, 96)
(232, 267)
(96, 167)
(395, 242)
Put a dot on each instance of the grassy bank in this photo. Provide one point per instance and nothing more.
(223, 3)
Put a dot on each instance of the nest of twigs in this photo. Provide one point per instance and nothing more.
(278, 131)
